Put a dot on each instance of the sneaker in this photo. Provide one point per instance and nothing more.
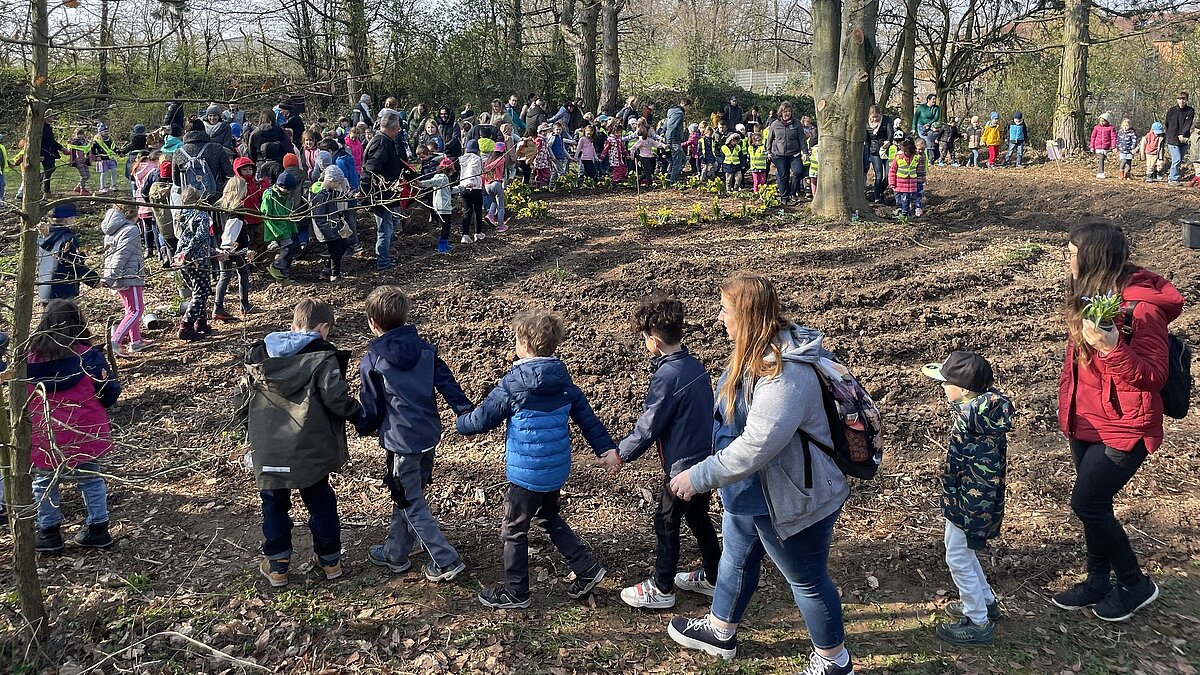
(695, 582)
(479, 236)
(246, 309)
(49, 540)
(1082, 595)
(275, 571)
(919, 212)
(444, 247)
(334, 279)
(955, 610)
(502, 228)
(501, 598)
(698, 634)
(966, 633)
(222, 315)
(819, 665)
(646, 594)
(95, 536)
(141, 345)
(1101, 176)
(435, 572)
(333, 571)
(1123, 601)
(375, 557)
(584, 583)
(125, 351)
(490, 218)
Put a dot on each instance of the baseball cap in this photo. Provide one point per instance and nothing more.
(1018, 115)
(963, 369)
(446, 163)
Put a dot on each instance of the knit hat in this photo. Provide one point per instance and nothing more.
(1157, 128)
(500, 147)
(212, 109)
(139, 130)
(286, 180)
(741, 128)
(995, 115)
(333, 173)
(1018, 115)
(693, 127)
(446, 163)
(164, 169)
(898, 135)
(290, 160)
(365, 98)
(1107, 117)
(324, 159)
(171, 144)
(236, 129)
(101, 128)
(65, 211)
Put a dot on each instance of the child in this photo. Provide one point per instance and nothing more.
(991, 138)
(587, 154)
(1154, 150)
(759, 162)
(71, 388)
(692, 147)
(543, 159)
(677, 421)
(159, 197)
(329, 207)
(814, 166)
(79, 156)
(1104, 138)
(708, 154)
(243, 193)
(558, 151)
(731, 162)
(400, 375)
(1127, 142)
(1018, 135)
(643, 150)
(142, 175)
(294, 401)
(60, 259)
(123, 273)
(279, 228)
(905, 173)
(442, 205)
(949, 137)
(617, 153)
(537, 399)
(919, 197)
(975, 140)
(356, 143)
(106, 159)
(494, 172)
(470, 179)
(972, 490)
(1194, 155)
(194, 260)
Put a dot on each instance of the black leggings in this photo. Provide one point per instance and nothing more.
(473, 210)
(1101, 472)
(337, 250)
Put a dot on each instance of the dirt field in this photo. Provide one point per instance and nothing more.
(982, 271)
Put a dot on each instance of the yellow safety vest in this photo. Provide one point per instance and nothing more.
(733, 156)
(907, 168)
(813, 164)
(758, 158)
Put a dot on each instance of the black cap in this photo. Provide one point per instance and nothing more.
(963, 369)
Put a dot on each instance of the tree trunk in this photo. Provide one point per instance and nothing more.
(1069, 111)
(889, 81)
(842, 60)
(516, 42)
(908, 69)
(103, 86)
(581, 39)
(610, 56)
(18, 483)
(357, 60)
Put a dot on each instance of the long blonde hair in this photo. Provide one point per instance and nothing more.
(234, 194)
(758, 319)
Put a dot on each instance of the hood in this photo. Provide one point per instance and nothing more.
(55, 238)
(989, 413)
(288, 343)
(196, 137)
(542, 374)
(1146, 286)
(113, 222)
(400, 347)
(241, 162)
(801, 345)
(170, 144)
(59, 374)
(289, 373)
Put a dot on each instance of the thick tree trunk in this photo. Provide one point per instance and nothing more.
(357, 59)
(103, 87)
(516, 42)
(842, 61)
(581, 39)
(610, 56)
(908, 69)
(1070, 108)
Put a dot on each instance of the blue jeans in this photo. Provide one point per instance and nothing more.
(323, 521)
(787, 174)
(87, 479)
(3, 184)
(414, 525)
(385, 230)
(803, 559)
(1018, 148)
(1177, 153)
(905, 201)
(495, 193)
(676, 166)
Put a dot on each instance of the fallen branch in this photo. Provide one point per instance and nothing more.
(216, 653)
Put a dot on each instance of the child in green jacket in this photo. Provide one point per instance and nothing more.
(279, 229)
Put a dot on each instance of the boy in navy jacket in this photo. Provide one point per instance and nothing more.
(537, 399)
(400, 375)
(677, 420)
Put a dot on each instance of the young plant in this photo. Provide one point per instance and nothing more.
(716, 208)
(643, 214)
(664, 217)
(1101, 309)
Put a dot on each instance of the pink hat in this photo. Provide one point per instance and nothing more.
(500, 147)
(446, 163)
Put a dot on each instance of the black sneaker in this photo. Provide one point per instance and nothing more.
(967, 633)
(501, 598)
(1082, 595)
(95, 536)
(819, 665)
(49, 540)
(584, 584)
(1122, 601)
(698, 634)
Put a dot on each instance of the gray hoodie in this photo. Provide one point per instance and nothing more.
(771, 447)
(122, 251)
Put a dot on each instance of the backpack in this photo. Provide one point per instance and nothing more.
(196, 174)
(1177, 392)
(855, 423)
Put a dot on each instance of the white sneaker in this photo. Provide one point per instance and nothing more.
(919, 211)
(480, 237)
(646, 594)
(694, 582)
(467, 239)
(1101, 176)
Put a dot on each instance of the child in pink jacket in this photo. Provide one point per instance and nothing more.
(1104, 139)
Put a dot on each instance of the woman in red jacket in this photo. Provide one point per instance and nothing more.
(1110, 408)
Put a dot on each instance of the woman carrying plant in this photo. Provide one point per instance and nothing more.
(782, 494)
(1109, 405)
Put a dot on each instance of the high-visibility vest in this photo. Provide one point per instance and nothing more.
(733, 156)
(813, 164)
(758, 158)
(907, 168)
(892, 150)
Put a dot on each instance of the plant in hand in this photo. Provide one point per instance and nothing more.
(1101, 309)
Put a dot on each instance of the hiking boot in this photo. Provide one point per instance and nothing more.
(646, 594)
(966, 633)
(1122, 601)
(699, 634)
(222, 315)
(819, 665)
(49, 540)
(502, 598)
(1082, 595)
(696, 582)
(375, 557)
(955, 610)
(276, 571)
(584, 583)
(188, 332)
(435, 572)
(95, 536)
(204, 328)
(332, 570)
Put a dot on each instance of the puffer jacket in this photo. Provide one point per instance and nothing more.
(1104, 137)
(801, 484)
(78, 392)
(329, 208)
(122, 251)
(442, 201)
(1116, 399)
(401, 374)
(974, 476)
(676, 416)
(538, 399)
(294, 402)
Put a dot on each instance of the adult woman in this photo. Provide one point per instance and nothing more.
(879, 136)
(782, 494)
(787, 149)
(1110, 409)
(268, 142)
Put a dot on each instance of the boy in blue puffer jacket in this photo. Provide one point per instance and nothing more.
(400, 375)
(537, 399)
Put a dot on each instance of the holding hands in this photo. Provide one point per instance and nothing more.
(611, 460)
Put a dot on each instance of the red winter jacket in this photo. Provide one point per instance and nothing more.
(1104, 137)
(1115, 399)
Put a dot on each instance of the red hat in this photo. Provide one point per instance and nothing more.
(164, 169)
(290, 160)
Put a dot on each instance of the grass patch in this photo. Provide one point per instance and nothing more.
(1022, 254)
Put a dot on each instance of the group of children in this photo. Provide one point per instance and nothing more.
(1128, 146)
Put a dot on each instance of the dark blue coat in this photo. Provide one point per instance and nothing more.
(677, 416)
(400, 374)
(538, 399)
